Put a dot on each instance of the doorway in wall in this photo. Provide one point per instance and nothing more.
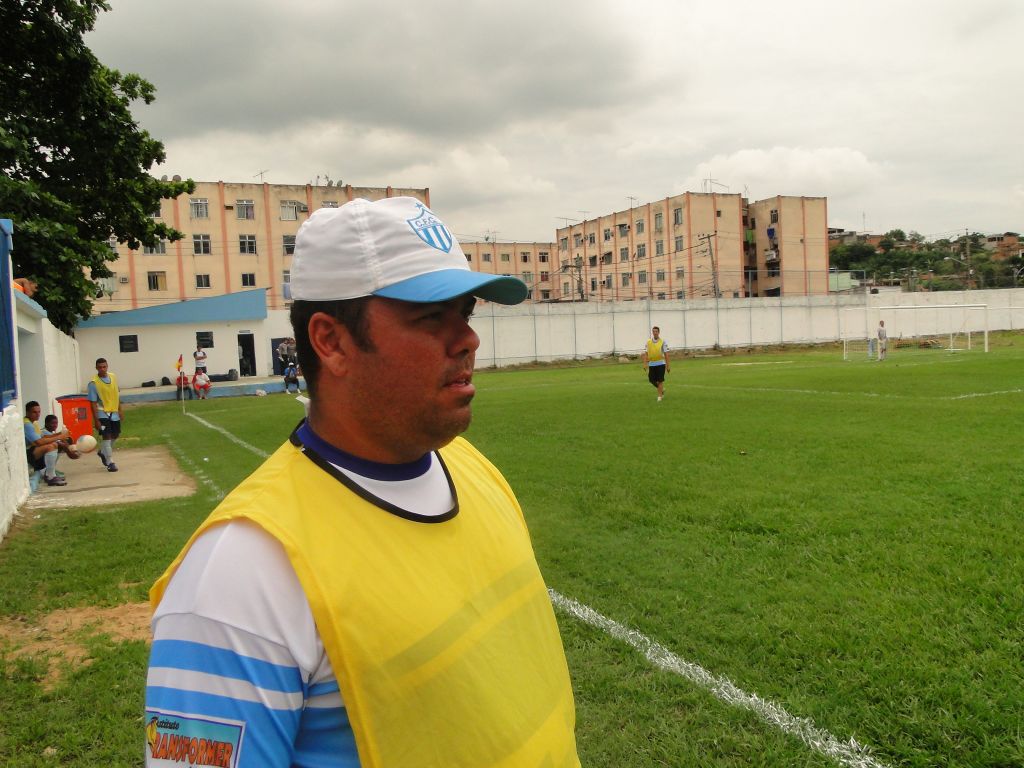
(246, 355)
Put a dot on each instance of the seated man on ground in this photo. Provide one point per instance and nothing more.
(291, 378)
(201, 384)
(42, 451)
(65, 443)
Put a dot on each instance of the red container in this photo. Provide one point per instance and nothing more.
(76, 413)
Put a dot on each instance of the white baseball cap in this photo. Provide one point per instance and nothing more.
(396, 248)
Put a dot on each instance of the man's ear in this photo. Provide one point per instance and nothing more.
(331, 342)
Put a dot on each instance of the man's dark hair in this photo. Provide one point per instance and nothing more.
(100, 360)
(30, 405)
(349, 312)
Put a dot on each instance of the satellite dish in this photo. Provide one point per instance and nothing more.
(164, 177)
(176, 177)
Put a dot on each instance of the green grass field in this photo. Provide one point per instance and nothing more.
(843, 541)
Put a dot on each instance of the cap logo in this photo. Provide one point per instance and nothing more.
(431, 230)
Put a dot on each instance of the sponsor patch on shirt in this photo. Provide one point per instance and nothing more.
(174, 739)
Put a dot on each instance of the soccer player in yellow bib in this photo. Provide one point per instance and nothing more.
(369, 596)
(655, 359)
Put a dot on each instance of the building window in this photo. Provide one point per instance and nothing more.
(247, 243)
(248, 279)
(592, 261)
(641, 250)
(625, 279)
(679, 243)
(593, 284)
(679, 273)
(542, 257)
(623, 230)
(677, 216)
(774, 218)
(565, 288)
(156, 214)
(329, 204)
(659, 221)
(608, 281)
(659, 276)
(112, 242)
(129, 343)
(563, 244)
(201, 245)
(680, 295)
(639, 226)
(524, 256)
(623, 254)
(157, 281)
(199, 207)
(155, 250)
(659, 248)
(286, 276)
(718, 213)
(577, 239)
(289, 210)
(545, 295)
(606, 257)
(485, 257)
(527, 277)
(245, 209)
(202, 281)
(469, 257)
(607, 234)
(544, 276)
(288, 241)
(641, 277)
(204, 339)
(505, 257)
(661, 297)
(592, 238)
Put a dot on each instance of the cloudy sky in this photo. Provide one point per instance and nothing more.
(904, 113)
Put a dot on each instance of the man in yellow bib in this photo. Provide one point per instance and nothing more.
(369, 596)
(655, 359)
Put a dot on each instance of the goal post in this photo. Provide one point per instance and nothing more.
(949, 327)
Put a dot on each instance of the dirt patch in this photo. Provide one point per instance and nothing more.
(62, 634)
(144, 474)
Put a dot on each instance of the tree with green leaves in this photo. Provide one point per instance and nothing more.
(74, 162)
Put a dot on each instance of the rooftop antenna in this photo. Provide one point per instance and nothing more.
(708, 185)
(567, 219)
(260, 174)
(632, 201)
(584, 214)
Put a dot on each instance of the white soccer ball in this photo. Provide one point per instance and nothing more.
(86, 444)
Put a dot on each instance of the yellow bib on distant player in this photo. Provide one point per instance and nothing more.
(109, 394)
(655, 350)
(441, 634)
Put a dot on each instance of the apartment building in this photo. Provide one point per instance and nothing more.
(533, 263)
(237, 237)
(697, 245)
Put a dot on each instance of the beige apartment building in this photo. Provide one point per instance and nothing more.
(697, 245)
(237, 237)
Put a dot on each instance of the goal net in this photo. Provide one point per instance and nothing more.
(945, 327)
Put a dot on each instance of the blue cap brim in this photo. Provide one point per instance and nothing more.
(448, 284)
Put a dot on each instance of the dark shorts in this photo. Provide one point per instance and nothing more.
(109, 429)
(33, 462)
(656, 374)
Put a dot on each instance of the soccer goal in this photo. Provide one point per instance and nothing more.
(945, 327)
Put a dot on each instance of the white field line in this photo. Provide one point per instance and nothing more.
(198, 471)
(236, 440)
(986, 394)
(850, 754)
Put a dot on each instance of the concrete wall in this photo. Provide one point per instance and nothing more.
(159, 347)
(545, 332)
(47, 366)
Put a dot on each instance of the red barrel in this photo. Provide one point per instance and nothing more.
(76, 413)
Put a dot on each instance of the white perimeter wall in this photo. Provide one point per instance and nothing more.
(47, 366)
(544, 332)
